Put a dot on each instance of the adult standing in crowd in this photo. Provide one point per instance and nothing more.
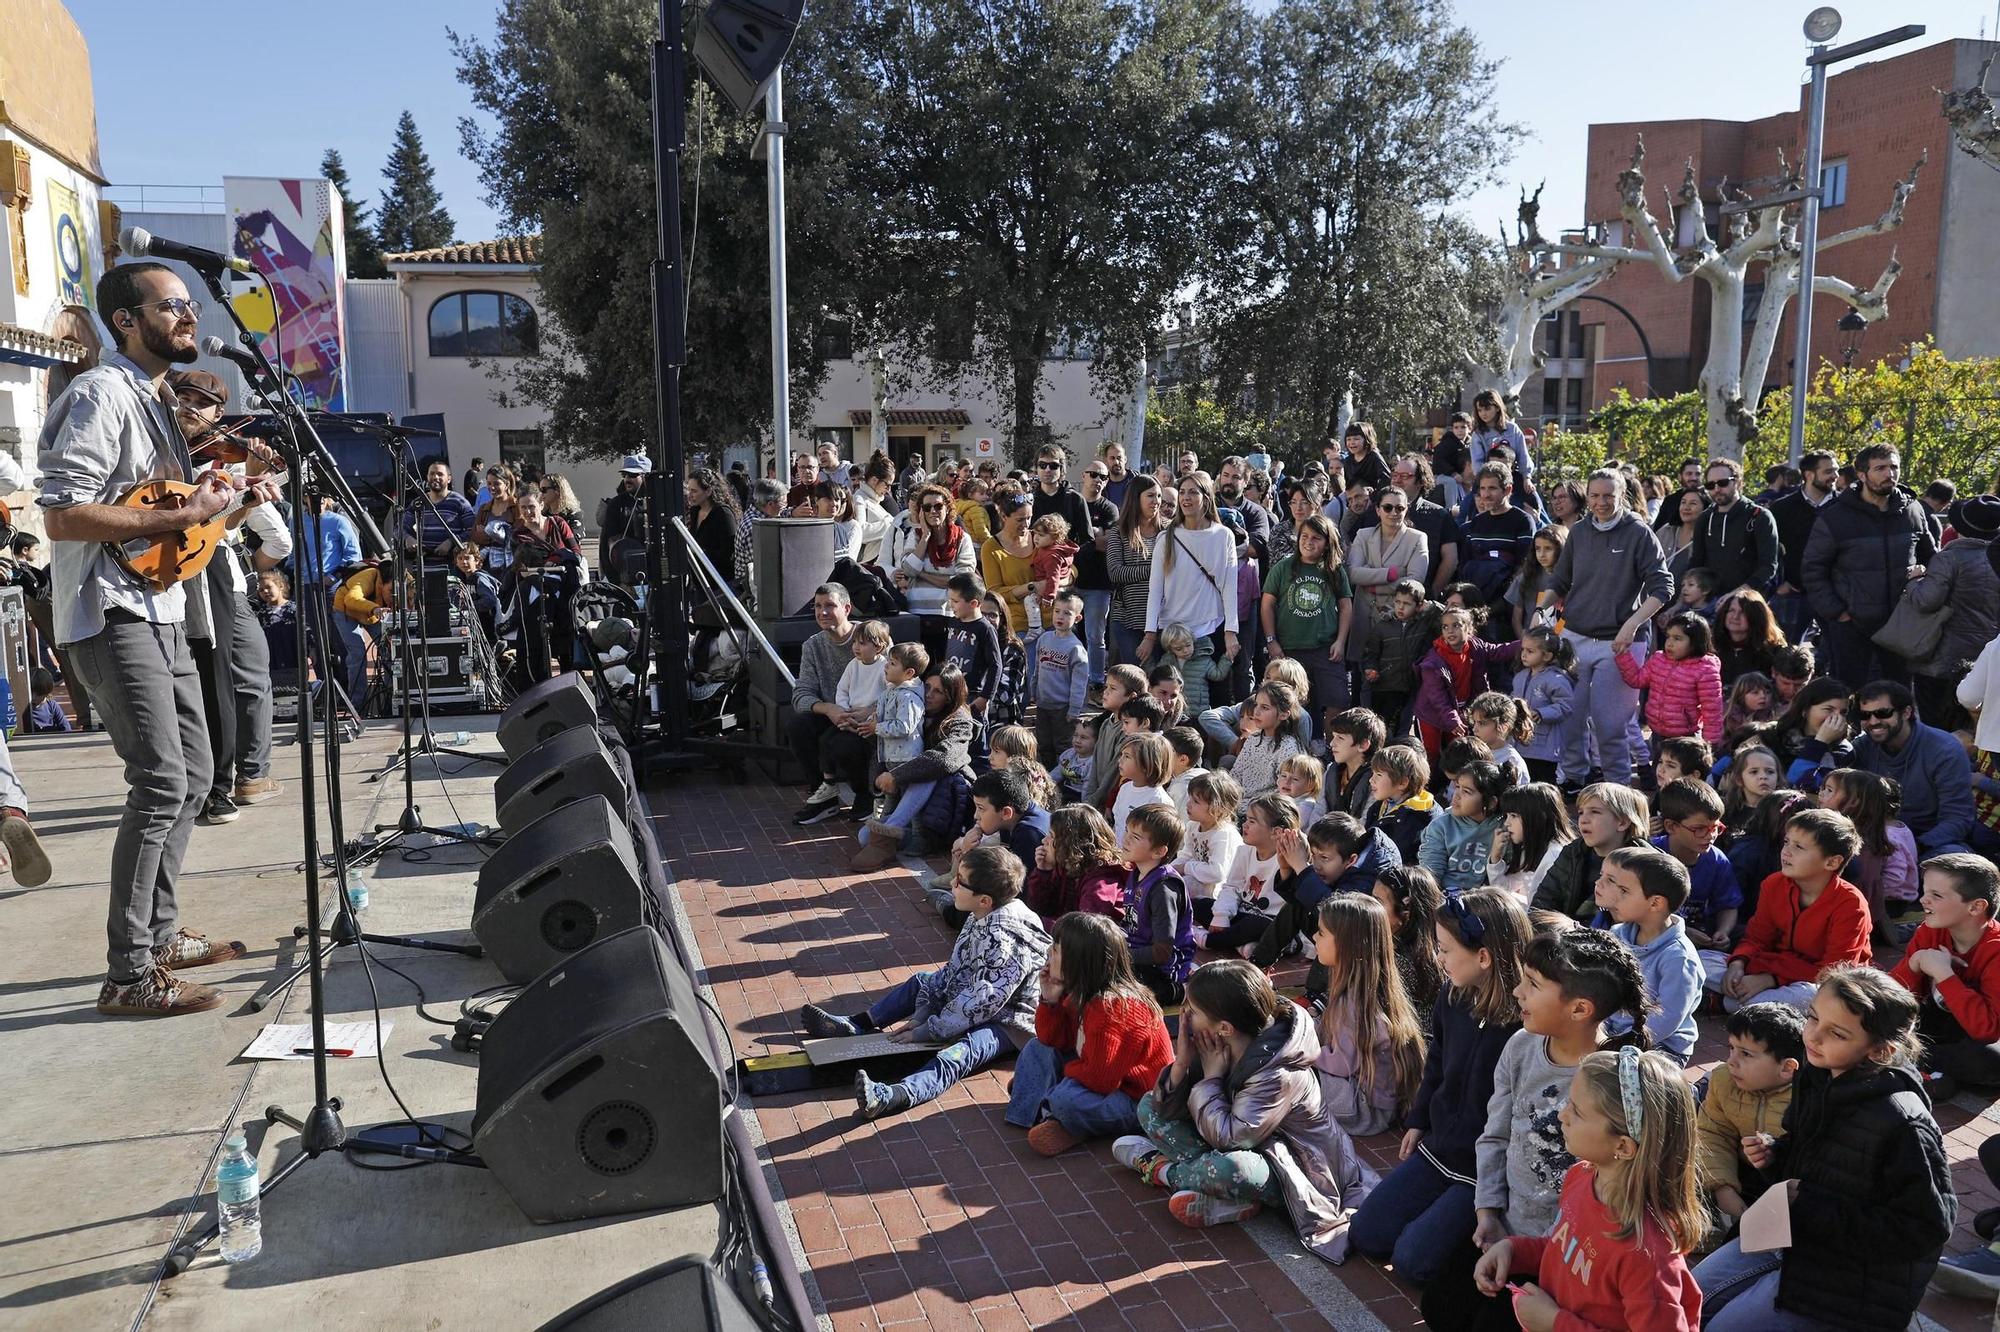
(1362, 461)
(1116, 478)
(470, 483)
(1128, 562)
(831, 468)
(1564, 501)
(1499, 537)
(1054, 494)
(1093, 579)
(1677, 538)
(805, 475)
(1491, 425)
(545, 572)
(1734, 536)
(936, 550)
(1231, 493)
(712, 517)
(1004, 558)
(559, 499)
(1868, 542)
(1385, 551)
(1193, 578)
(1690, 480)
(1301, 501)
(621, 521)
(334, 552)
(493, 525)
(814, 712)
(1794, 513)
(874, 503)
(1961, 577)
(1412, 475)
(1610, 579)
(441, 522)
(1929, 764)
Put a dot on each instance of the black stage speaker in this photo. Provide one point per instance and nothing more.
(566, 880)
(739, 44)
(569, 767)
(545, 711)
(598, 1091)
(686, 1295)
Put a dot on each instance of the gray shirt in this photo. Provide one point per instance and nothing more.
(821, 662)
(1521, 1154)
(1603, 576)
(104, 435)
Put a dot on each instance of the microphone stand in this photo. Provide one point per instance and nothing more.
(320, 1129)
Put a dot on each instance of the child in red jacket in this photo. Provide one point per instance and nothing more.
(1683, 681)
(1807, 917)
(1629, 1208)
(1077, 868)
(1450, 675)
(1100, 1041)
(1953, 967)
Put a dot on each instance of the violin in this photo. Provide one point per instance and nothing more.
(219, 446)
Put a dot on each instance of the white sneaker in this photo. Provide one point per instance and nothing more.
(1133, 1149)
(822, 793)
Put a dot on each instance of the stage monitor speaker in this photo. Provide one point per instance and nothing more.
(545, 711)
(792, 557)
(740, 44)
(687, 1295)
(598, 1091)
(566, 880)
(570, 766)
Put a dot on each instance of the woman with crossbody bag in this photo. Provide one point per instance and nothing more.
(1194, 560)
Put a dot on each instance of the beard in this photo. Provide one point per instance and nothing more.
(162, 345)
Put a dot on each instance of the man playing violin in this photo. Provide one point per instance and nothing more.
(235, 661)
(112, 428)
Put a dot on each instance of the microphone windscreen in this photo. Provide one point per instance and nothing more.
(135, 241)
(213, 346)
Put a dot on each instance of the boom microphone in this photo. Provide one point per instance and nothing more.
(244, 361)
(141, 243)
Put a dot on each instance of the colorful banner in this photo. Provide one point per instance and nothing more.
(291, 231)
(72, 245)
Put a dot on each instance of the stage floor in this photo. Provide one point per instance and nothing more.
(109, 1126)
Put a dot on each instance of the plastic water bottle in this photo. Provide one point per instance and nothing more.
(357, 892)
(459, 738)
(236, 1202)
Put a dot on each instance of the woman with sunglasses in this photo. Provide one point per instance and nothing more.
(930, 549)
(1389, 550)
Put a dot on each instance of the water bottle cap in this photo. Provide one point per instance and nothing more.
(236, 1142)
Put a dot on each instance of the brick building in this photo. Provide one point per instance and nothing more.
(1880, 116)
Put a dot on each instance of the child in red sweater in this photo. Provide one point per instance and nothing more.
(1629, 1209)
(1807, 918)
(1100, 1041)
(1683, 681)
(1953, 967)
(1077, 868)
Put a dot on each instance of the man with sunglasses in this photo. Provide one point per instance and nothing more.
(111, 429)
(1928, 763)
(1735, 536)
(1053, 494)
(1093, 578)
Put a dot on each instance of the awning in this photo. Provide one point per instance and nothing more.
(26, 346)
(913, 416)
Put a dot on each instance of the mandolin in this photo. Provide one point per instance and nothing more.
(172, 557)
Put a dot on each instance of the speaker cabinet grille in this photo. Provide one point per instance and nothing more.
(564, 881)
(616, 1137)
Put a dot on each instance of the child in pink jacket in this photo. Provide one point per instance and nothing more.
(1683, 681)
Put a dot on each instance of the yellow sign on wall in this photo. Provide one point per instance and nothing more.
(72, 245)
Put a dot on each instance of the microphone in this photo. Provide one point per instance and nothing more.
(141, 243)
(243, 360)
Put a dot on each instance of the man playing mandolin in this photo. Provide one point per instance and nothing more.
(112, 429)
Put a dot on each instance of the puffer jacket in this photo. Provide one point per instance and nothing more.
(1857, 557)
(1961, 577)
(1270, 1102)
(947, 750)
(1683, 697)
(1570, 886)
(1875, 1203)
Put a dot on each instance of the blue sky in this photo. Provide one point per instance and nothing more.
(207, 89)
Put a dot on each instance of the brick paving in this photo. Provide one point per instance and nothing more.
(943, 1217)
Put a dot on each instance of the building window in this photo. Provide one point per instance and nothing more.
(1833, 184)
(841, 437)
(522, 448)
(483, 323)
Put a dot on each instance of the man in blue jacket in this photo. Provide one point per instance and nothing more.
(1929, 764)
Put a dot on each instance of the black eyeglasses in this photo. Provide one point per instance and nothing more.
(1723, 484)
(180, 307)
(1879, 714)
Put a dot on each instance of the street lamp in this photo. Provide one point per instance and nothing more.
(1821, 26)
(1853, 328)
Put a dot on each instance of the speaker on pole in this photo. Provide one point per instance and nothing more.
(561, 883)
(545, 711)
(598, 1091)
(572, 766)
(739, 44)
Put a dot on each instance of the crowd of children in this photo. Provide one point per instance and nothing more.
(1508, 959)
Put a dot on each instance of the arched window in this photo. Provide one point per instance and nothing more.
(483, 323)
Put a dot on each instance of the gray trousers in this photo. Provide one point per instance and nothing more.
(142, 678)
(236, 682)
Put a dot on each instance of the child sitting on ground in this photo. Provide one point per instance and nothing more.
(1677, 757)
(1004, 813)
(1143, 764)
(1953, 967)
(1267, 738)
(1753, 700)
(1100, 1041)
(1336, 855)
(1212, 841)
(1072, 771)
(1608, 815)
(1122, 684)
(45, 715)
(1642, 890)
(976, 1005)
(1748, 1095)
(1016, 747)
(1412, 898)
(1885, 869)
(1299, 778)
(1808, 918)
(1534, 829)
(1239, 1109)
(1159, 928)
(1690, 821)
(1248, 900)
(1500, 722)
(1400, 802)
(1353, 738)
(1077, 868)
(1168, 688)
(1372, 1048)
(1455, 845)
(1628, 1214)
(1187, 747)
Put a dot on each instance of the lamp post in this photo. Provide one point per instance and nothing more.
(1853, 328)
(1821, 27)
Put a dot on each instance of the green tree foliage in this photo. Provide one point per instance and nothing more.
(364, 254)
(1942, 415)
(1349, 128)
(413, 216)
(1183, 418)
(570, 155)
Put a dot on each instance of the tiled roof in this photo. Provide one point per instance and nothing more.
(32, 347)
(914, 416)
(506, 250)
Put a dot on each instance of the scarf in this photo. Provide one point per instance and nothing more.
(1459, 663)
(942, 549)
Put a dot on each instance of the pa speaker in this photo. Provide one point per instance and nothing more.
(598, 1091)
(561, 883)
(545, 711)
(739, 44)
(572, 766)
(687, 1293)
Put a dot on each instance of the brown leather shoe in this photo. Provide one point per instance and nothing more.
(24, 849)
(158, 993)
(188, 949)
(257, 790)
